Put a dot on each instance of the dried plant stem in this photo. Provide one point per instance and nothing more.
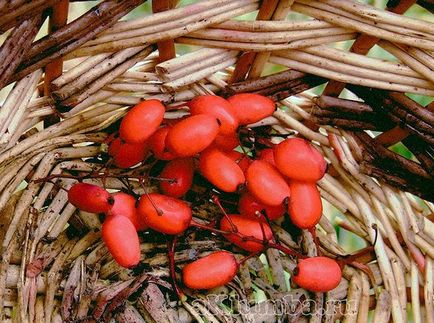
(356, 75)
(383, 259)
(428, 290)
(78, 70)
(264, 47)
(198, 75)
(92, 74)
(261, 59)
(192, 62)
(15, 105)
(195, 22)
(374, 14)
(406, 58)
(325, 12)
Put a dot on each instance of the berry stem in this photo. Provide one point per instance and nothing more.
(171, 244)
(266, 244)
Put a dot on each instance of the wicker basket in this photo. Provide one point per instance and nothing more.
(54, 266)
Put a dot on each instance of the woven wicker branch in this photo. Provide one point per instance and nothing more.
(54, 266)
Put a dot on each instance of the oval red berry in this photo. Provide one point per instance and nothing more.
(217, 107)
(266, 184)
(164, 214)
(157, 144)
(192, 135)
(90, 198)
(127, 154)
(121, 239)
(142, 121)
(125, 205)
(245, 228)
(305, 206)
(249, 206)
(251, 107)
(181, 171)
(317, 274)
(221, 170)
(299, 160)
(216, 269)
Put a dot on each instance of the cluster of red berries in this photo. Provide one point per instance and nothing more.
(281, 180)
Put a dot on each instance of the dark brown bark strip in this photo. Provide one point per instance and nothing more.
(265, 81)
(379, 154)
(423, 152)
(75, 34)
(342, 105)
(349, 124)
(425, 192)
(13, 49)
(380, 101)
(277, 86)
(14, 14)
(413, 107)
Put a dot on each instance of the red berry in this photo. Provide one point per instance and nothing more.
(90, 198)
(120, 237)
(164, 213)
(299, 160)
(248, 206)
(226, 142)
(216, 269)
(241, 159)
(246, 227)
(317, 274)
(217, 107)
(142, 121)
(266, 184)
(125, 205)
(250, 107)
(267, 155)
(157, 144)
(127, 154)
(192, 135)
(305, 207)
(221, 170)
(182, 171)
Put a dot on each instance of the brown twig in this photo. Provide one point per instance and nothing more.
(73, 35)
(166, 48)
(15, 47)
(13, 14)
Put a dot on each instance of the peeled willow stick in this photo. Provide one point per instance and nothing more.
(261, 59)
(15, 47)
(375, 14)
(99, 83)
(326, 12)
(368, 72)
(264, 46)
(404, 56)
(245, 61)
(204, 19)
(95, 72)
(341, 72)
(74, 34)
